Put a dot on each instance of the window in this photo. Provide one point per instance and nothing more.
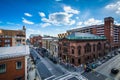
(18, 65)
(65, 50)
(94, 47)
(19, 78)
(72, 51)
(99, 46)
(79, 50)
(79, 61)
(87, 48)
(72, 61)
(2, 68)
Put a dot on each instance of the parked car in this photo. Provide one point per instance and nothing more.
(93, 66)
(88, 69)
(99, 63)
(114, 71)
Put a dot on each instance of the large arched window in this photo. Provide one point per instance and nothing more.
(99, 47)
(87, 48)
(79, 50)
(94, 47)
(73, 61)
(79, 61)
(72, 49)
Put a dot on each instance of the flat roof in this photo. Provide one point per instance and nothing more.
(16, 51)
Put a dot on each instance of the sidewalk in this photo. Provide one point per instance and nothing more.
(32, 71)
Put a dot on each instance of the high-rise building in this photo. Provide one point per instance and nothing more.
(12, 37)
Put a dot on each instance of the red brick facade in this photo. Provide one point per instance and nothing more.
(36, 41)
(11, 72)
(82, 51)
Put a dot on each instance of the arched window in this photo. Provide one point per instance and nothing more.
(72, 49)
(94, 47)
(79, 50)
(87, 48)
(79, 61)
(99, 46)
(72, 60)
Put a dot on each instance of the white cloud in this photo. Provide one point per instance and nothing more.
(117, 23)
(45, 24)
(27, 21)
(92, 21)
(68, 9)
(59, 18)
(42, 14)
(28, 14)
(115, 7)
(77, 17)
(79, 23)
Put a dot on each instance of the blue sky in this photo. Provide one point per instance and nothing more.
(50, 17)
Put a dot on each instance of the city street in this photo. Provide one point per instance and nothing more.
(56, 70)
(105, 68)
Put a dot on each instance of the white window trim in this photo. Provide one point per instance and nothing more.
(17, 66)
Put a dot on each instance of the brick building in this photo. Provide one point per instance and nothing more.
(13, 63)
(36, 40)
(79, 48)
(108, 29)
(12, 37)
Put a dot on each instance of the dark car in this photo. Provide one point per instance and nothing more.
(114, 71)
(88, 69)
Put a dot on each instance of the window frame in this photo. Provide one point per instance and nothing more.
(3, 71)
(17, 65)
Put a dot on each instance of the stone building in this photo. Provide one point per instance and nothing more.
(80, 48)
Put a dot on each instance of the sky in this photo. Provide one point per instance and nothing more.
(51, 17)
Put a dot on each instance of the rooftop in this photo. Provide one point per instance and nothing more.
(84, 36)
(16, 51)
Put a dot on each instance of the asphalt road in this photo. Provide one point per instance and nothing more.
(55, 69)
(106, 67)
(94, 75)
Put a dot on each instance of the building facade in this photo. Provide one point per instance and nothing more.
(36, 40)
(12, 37)
(13, 63)
(54, 47)
(108, 29)
(80, 48)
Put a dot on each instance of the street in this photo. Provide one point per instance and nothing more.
(105, 68)
(55, 70)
